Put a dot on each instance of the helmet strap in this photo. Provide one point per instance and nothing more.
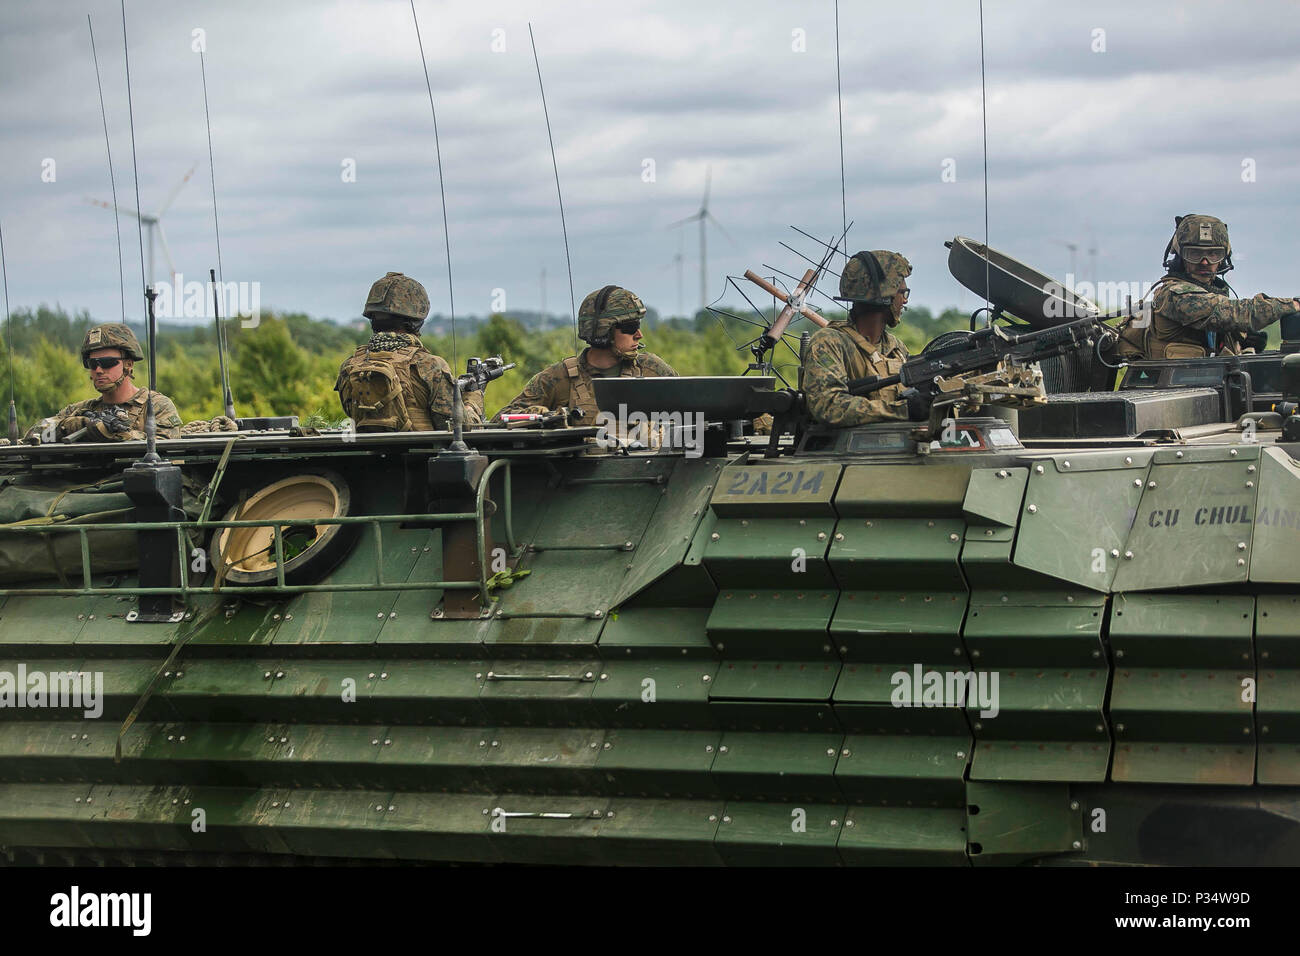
(602, 298)
(872, 265)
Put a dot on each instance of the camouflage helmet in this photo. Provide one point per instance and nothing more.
(602, 310)
(111, 335)
(397, 294)
(1191, 231)
(874, 278)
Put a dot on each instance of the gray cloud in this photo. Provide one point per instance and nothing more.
(1091, 148)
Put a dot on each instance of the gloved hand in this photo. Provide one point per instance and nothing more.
(73, 423)
(107, 424)
(99, 429)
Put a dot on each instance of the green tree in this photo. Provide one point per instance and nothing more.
(271, 369)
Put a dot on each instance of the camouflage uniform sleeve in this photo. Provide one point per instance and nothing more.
(539, 392)
(827, 391)
(1197, 308)
(474, 409)
(436, 375)
(166, 417)
(652, 366)
(167, 421)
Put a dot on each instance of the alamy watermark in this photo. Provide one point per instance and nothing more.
(684, 430)
(78, 909)
(931, 688)
(179, 299)
(1108, 297)
(78, 690)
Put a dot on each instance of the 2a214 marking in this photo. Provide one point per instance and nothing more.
(783, 483)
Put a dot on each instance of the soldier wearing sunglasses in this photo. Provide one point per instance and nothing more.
(110, 352)
(609, 321)
(1193, 314)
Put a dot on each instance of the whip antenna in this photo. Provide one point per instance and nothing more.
(984, 119)
(150, 422)
(13, 409)
(573, 307)
(839, 107)
(112, 180)
(437, 145)
(227, 398)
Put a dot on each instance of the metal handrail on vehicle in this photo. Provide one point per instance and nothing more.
(375, 522)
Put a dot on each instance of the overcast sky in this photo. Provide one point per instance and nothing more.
(1092, 148)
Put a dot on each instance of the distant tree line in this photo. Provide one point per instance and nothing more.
(287, 364)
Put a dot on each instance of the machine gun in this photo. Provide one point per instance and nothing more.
(478, 372)
(989, 366)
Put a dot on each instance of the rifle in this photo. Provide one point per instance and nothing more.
(114, 420)
(989, 362)
(478, 372)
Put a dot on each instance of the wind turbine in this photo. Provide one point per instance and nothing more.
(1074, 251)
(678, 259)
(677, 264)
(153, 223)
(700, 217)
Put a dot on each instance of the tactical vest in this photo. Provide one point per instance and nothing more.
(1163, 338)
(380, 392)
(580, 391)
(880, 360)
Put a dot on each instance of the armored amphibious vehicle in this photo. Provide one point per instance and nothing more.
(1065, 635)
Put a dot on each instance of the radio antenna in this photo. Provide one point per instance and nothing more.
(984, 119)
(13, 409)
(227, 398)
(150, 422)
(839, 107)
(112, 180)
(573, 307)
(437, 145)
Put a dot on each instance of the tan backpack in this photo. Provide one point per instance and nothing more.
(371, 390)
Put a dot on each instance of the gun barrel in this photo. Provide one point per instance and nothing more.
(873, 383)
(983, 349)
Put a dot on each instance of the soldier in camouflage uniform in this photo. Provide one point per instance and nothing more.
(393, 383)
(110, 352)
(609, 321)
(1192, 315)
(876, 285)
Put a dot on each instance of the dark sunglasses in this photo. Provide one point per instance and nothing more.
(104, 363)
(628, 326)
